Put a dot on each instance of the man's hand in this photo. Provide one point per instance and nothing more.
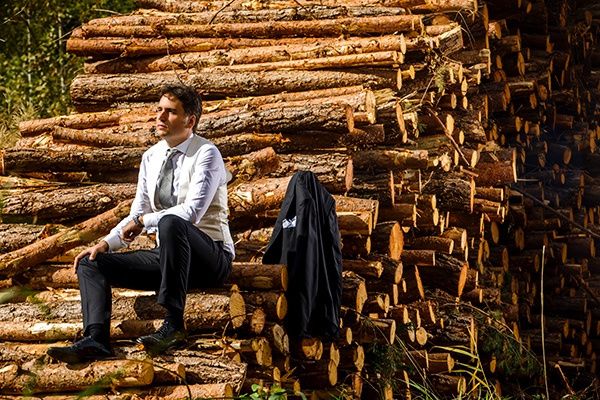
(130, 231)
(101, 247)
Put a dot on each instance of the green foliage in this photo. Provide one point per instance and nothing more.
(35, 69)
(274, 392)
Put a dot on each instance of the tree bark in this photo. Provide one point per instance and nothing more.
(207, 390)
(388, 239)
(273, 303)
(290, 12)
(253, 165)
(354, 292)
(272, 29)
(259, 276)
(28, 256)
(63, 203)
(96, 160)
(105, 90)
(391, 159)
(334, 170)
(60, 378)
(106, 137)
(15, 236)
(250, 55)
(88, 120)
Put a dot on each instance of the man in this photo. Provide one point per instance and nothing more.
(182, 195)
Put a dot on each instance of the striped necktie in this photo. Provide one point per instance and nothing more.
(164, 185)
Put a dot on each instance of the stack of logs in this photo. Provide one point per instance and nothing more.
(418, 115)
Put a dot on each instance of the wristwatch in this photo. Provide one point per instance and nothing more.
(136, 219)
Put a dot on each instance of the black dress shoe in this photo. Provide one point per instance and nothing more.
(86, 349)
(166, 337)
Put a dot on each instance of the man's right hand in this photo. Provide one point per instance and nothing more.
(101, 247)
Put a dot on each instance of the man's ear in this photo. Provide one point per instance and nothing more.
(191, 121)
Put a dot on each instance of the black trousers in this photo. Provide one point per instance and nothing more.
(186, 258)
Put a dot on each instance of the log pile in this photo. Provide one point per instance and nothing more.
(458, 139)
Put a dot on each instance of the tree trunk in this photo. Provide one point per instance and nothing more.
(334, 170)
(60, 378)
(271, 29)
(207, 390)
(96, 160)
(354, 291)
(82, 121)
(238, 145)
(281, 12)
(273, 303)
(366, 268)
(15, 236)
(259, 276)
(448, 273)
(62, 204)
(85, 232)
(253, 165)
(203, 310)
(391, 159)
(106, 137)
(105, 90)
(388, 239)
(250, 55)
(256, 197)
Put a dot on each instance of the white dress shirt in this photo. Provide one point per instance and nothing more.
(208, 175)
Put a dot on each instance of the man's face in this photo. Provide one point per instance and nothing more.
(172, 124)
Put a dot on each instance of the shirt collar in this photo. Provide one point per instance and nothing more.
(183, 146)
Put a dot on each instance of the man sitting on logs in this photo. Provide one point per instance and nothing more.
(182, 195)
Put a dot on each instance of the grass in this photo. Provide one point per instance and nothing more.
(9, 123)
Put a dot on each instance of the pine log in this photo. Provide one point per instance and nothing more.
(448, 273)
(203, 310)
(438, 244)
(419, 257)
(334, 170)
(356, 246)
(354, 292)
(259, 276)
(59, 377)
(365, 268)
(453, 193)
(28, 256)
(375, 331)
(422, 6)
(500, 170)
(391, 159)
(280, 12)
(253, 165)
(244, 143)
(111, 159)
(317, 374)
(62, 203)
(278, 337)
(279, 118)
(259, 196)
(15, 236)
(387, 239)
(104, 90)
(273, 303)
(207, 390)
(82, 121)
(143, 136)
(251, 55)
(271, 29)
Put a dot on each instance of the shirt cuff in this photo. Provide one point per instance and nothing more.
(151, 220)
(114, 242)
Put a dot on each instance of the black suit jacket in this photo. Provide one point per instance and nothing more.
(306, 238)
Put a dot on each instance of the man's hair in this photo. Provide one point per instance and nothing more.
(191, 101)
